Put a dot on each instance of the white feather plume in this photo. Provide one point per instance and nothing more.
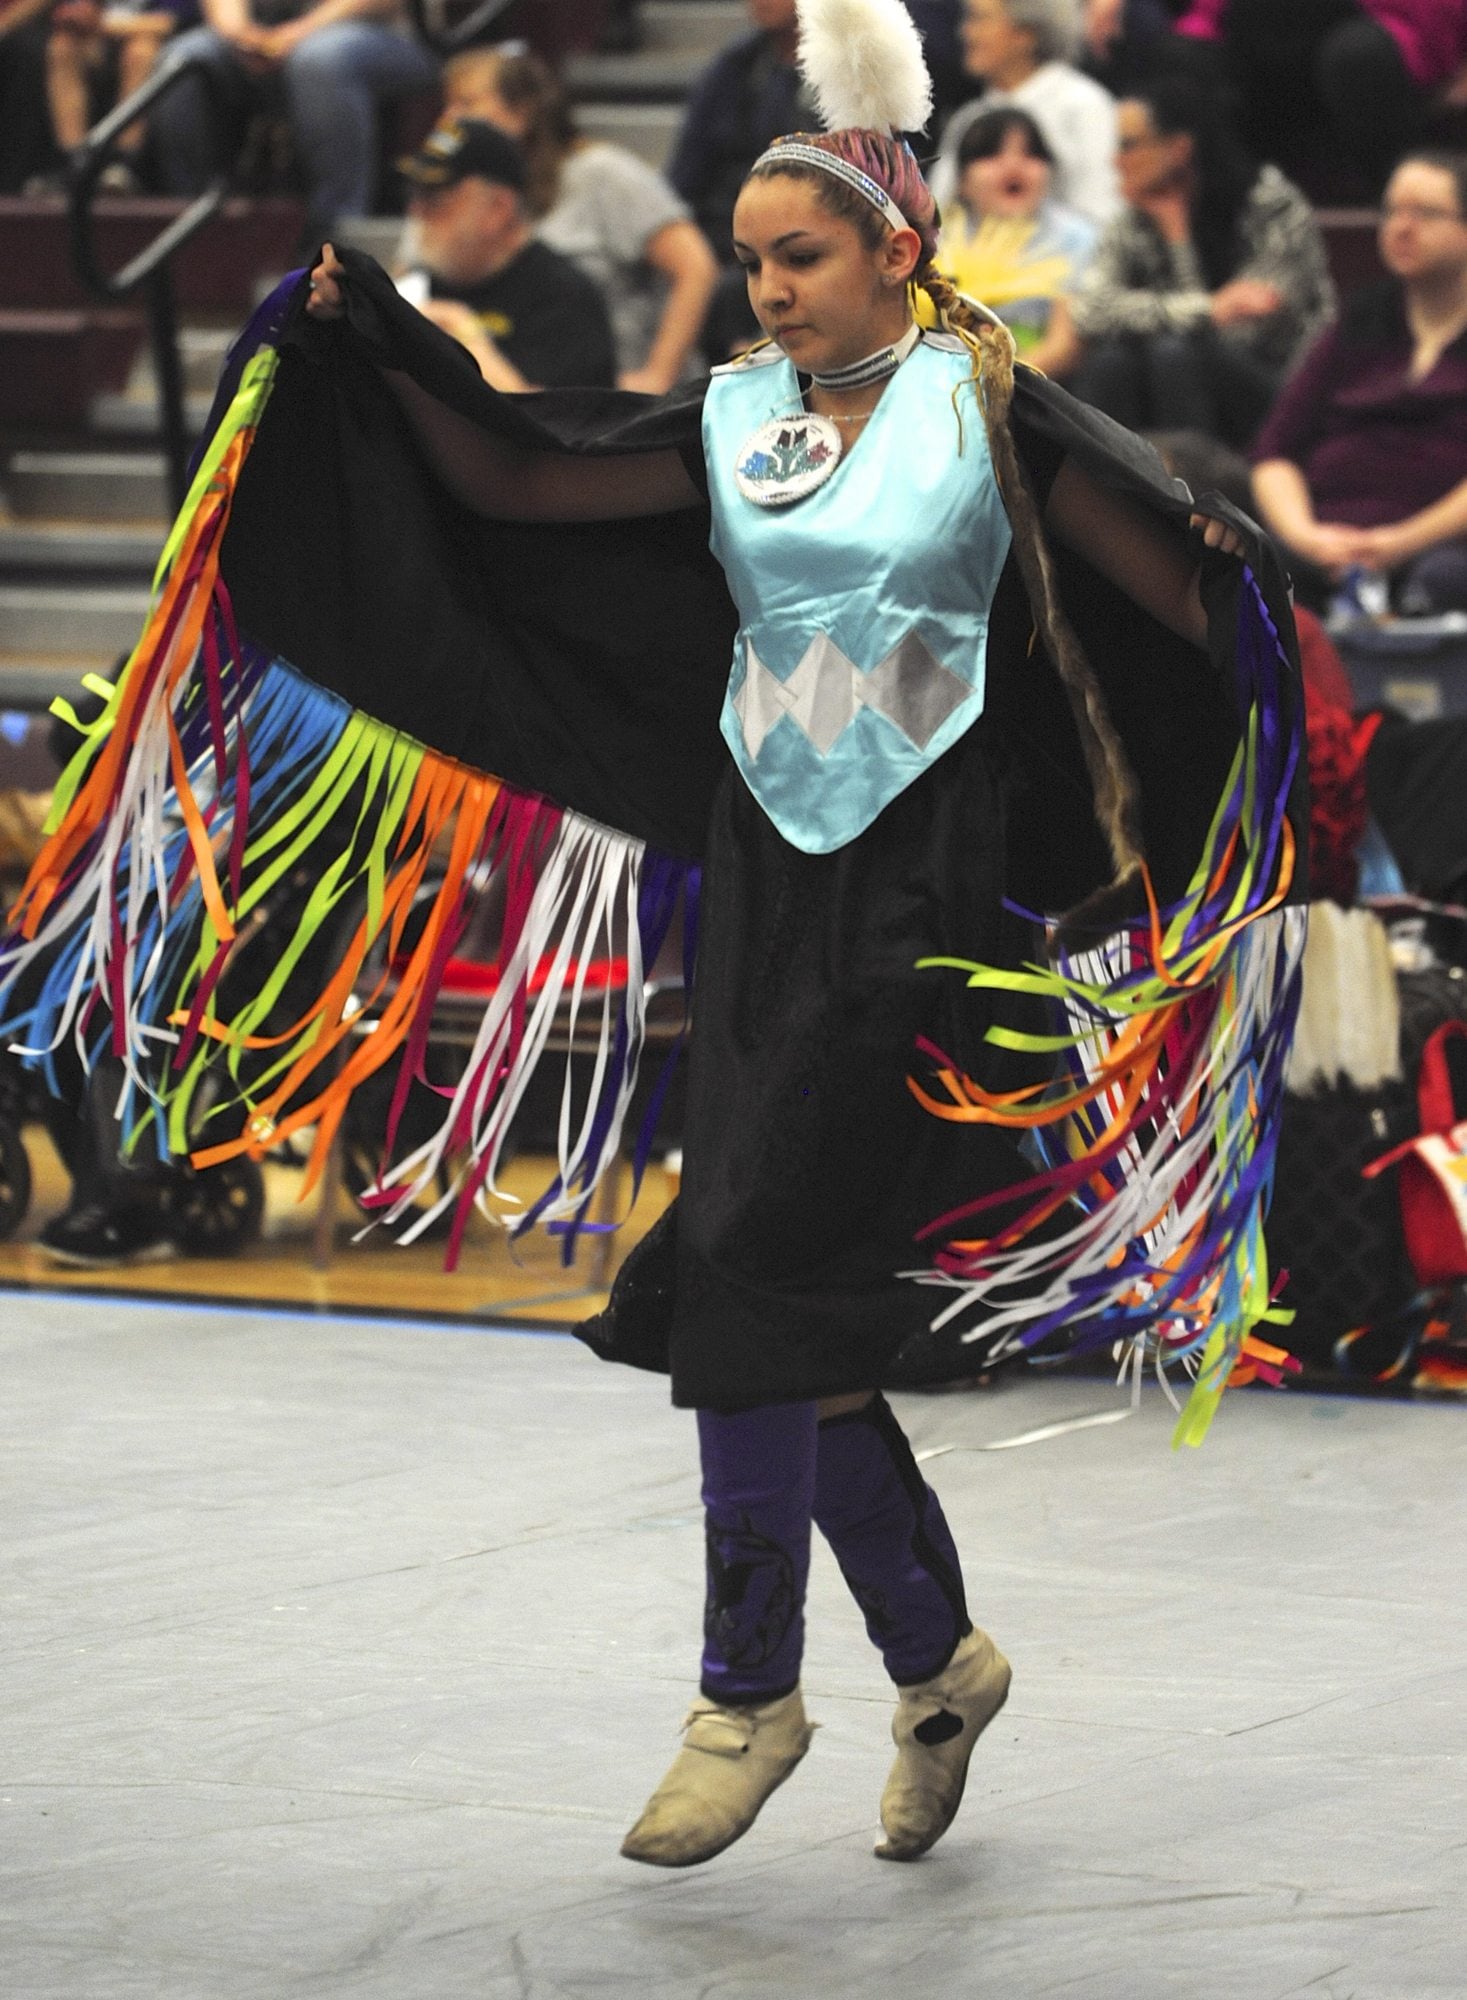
(862, 60)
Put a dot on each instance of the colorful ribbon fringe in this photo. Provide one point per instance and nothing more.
(216, 778)
(216, 781)
(1157, 1130)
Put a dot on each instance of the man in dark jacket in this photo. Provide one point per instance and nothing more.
(748, 97)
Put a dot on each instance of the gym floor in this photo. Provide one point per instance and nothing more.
(296, 1261)
(338, 1654)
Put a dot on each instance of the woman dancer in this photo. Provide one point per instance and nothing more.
(902, 651)
(831, 231)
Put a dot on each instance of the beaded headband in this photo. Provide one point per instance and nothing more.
(785, 151)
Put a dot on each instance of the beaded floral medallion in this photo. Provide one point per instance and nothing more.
(787, 458)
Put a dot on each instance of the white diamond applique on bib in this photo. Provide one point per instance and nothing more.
(910, 688)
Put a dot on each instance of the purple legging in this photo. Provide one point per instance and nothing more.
(767, 1473)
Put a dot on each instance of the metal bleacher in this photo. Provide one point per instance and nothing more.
(83, 477)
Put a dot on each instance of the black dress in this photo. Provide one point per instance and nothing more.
(588, 664)
(809, 1167)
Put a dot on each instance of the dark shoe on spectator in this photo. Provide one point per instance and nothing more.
(94, 1237)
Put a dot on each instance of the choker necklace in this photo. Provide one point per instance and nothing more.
(875, 368)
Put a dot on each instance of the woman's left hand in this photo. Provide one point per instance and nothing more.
(1217, 534)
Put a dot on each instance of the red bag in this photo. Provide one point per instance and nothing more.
(1433, 1183)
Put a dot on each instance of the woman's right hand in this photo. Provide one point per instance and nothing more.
(328, 287)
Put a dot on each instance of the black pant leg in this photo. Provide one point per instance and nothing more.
(26, 145)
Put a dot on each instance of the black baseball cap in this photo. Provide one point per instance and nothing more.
(463, 149)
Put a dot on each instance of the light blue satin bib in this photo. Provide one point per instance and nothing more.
(863, 607)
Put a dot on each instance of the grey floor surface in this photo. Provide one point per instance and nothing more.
(336, 1656)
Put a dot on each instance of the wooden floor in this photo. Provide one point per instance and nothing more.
(495, 1279)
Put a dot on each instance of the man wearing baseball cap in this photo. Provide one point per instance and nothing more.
(530, 318)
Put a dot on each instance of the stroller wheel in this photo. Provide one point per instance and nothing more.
(15, 1179)
(217, 1210)
(361, 1161)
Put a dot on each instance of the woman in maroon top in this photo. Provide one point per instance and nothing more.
(1363, 463)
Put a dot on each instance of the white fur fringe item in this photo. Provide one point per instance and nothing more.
(863, 62)
(1350, 1017)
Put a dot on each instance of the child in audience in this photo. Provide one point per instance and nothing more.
(95, 51)
(1007, 243)
(1024, 52)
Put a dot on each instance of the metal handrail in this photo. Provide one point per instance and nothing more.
(447, 41)
(150, 267)
(91, 160)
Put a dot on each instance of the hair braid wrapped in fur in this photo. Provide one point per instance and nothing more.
(1117, 799)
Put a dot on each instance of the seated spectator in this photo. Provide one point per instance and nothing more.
(1363, 463)
(1022, 51)
(122, 1207)
(118, 1211)
(330, 64)
(1005, 242)
(1204, 289)
(602, 207)
(1358, 74)
(26, 151)
(528, 316)
(98, 55)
